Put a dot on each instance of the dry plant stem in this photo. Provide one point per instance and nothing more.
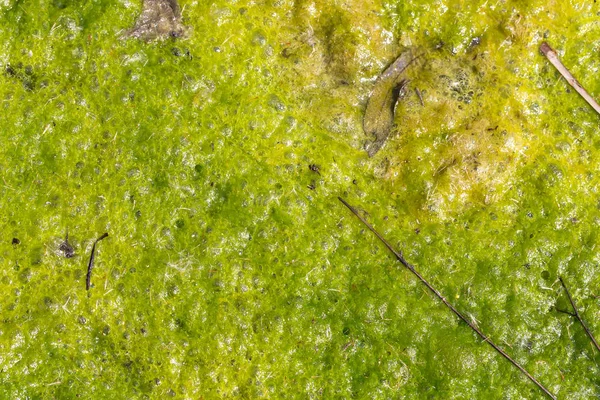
(88, 278)
(577, 315)
(554, 60)
(420, 97)
(412, 269)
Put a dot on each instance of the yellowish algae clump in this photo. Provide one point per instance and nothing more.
(231, 270)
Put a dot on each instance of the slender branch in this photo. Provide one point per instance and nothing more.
(566, 312)
(420, 97)
(577, 315)
(554, 60)
(412, 269)
(88, 277)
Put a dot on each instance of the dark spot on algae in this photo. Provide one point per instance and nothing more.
(340, 45)
(23, 74)
(66, 248)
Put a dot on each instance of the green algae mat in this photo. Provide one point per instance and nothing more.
(214, 157)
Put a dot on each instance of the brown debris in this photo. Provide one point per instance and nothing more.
(379, 114)
(159, 19)
(66, 248)
(88, 278)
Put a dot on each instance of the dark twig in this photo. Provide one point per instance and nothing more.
(412, 269)
(420, 96)
(577, 315)
(566, 312)
(91, 263)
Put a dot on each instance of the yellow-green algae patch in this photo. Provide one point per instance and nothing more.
(224, 275)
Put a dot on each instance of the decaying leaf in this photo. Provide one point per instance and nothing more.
(379, 115)
(159, 19)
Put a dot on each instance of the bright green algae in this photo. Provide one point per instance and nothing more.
(224, 275)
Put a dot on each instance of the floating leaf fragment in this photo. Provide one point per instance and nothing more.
(379, 115)
(159, 19)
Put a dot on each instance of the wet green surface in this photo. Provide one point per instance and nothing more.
(225, 275)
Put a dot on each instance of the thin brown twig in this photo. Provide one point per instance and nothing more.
(554, 60)
(412, 269)
(577, 315)
(88, 278)
(420, 97)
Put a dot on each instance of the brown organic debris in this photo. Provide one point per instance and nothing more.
(379, 114)
(66, 248)
(420, 97)
(88, 278)
(159, 19)
(315, 168)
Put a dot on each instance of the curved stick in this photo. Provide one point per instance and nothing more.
(88, 278)
(412, 269)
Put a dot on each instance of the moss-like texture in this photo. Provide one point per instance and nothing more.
(225, 275)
